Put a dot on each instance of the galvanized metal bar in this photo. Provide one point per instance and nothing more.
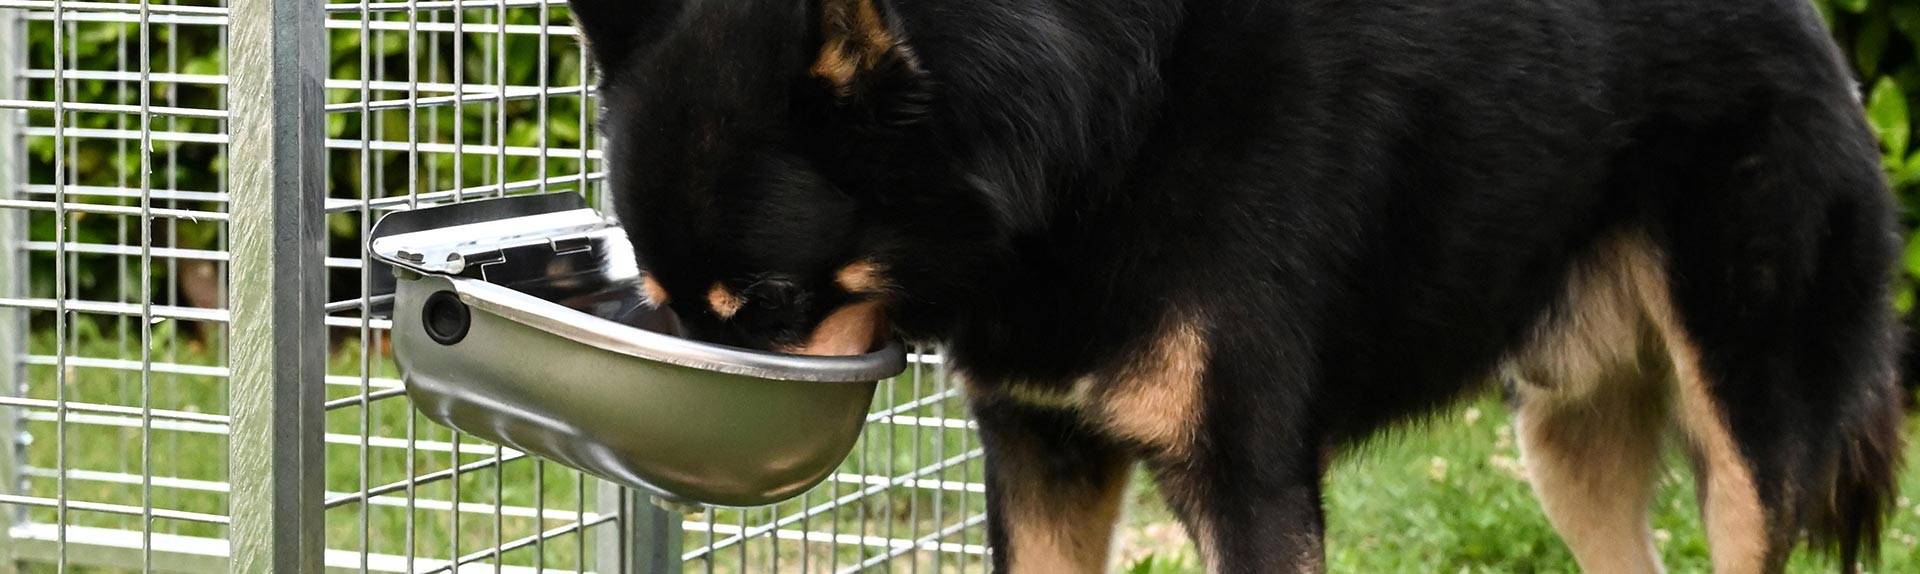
(106, 508)
(365, 511)
(114, 549)
(412, 199)
(13, 283)
(913, 508)
(498, 75)
(278, 350)
(500, 549)
(146, 285)
(60, 286)
(585, 188)
(540, 173)
(656, 536)
(646, 540)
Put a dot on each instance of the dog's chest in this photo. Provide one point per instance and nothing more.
(1153, 399)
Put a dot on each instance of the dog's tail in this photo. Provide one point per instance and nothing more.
(1851, 510)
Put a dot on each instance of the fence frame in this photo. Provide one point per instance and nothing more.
(278, 72)
(13, 322)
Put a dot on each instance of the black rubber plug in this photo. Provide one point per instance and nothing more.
(445, 318)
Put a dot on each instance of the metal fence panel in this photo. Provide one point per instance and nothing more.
(193, 377)
(441, 102)
(119, 422)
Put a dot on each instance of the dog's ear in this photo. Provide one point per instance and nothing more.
(863, 50)
(610, 29)
(871, 97)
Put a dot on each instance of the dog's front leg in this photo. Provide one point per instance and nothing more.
(1053, 491)
(1248, 486)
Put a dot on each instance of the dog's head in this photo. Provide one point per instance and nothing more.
(750, 151)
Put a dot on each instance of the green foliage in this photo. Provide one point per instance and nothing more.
(1882, 37)
(1171, 563)
(91, 159)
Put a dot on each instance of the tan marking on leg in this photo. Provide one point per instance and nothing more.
(651, 289)
(1592, 391)
(1599, 332)
(863, 277)
(724, 302)
(1074, 397)
(1736, 522)
(1156, 399)
(850, 330)
(1204, 543)
(1594, 468)
(1175, 482)
(1064, 529)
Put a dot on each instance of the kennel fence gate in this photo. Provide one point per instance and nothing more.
(183, 188)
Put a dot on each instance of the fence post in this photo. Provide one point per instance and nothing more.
(647, 540)
(278, 67)
(13, 282)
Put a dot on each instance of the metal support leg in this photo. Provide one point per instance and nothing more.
(279, 341)
(647, 541)
(656, 533)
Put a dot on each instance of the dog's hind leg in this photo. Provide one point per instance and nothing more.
(1593, 465)
(1773, 308)
(1590, 404)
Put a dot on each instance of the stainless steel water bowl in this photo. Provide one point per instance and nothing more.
(520, 321)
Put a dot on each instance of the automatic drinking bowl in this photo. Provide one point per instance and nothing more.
(520, 321)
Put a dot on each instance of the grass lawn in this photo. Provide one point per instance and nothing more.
(1445, 497)
(1448, 497)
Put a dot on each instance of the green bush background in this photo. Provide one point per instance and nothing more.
(1880, 37)
(187, 49)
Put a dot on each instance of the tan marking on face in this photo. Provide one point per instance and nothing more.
(724, 302)
(1156, 400)
(856, 40)
(850, 330)
(1062, 529)
(863, 277)
(651, 289)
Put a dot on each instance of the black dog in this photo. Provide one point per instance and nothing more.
(1229, 238)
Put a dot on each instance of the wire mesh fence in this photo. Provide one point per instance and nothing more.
(191, 377)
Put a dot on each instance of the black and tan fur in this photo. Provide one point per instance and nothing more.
(1229, 239)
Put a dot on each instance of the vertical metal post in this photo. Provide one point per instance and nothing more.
(13, 283)
(656, 534)
(279, 342)
(647, 539)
